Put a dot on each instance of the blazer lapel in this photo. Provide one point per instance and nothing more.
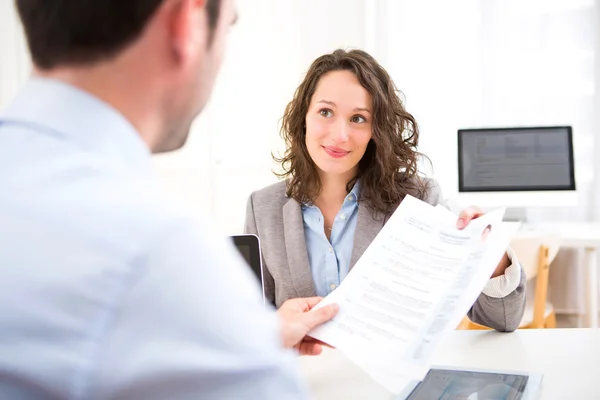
(295, 245)
(367, 227)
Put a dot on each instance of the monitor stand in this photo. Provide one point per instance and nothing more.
(515, 214)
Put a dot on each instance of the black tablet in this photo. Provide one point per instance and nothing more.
(249, 248)
(473, 384)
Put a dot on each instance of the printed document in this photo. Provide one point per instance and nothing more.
(415, 282)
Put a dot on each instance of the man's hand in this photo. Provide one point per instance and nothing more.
(297, 320)
(471, 213)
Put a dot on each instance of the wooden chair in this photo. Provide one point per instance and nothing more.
(535, 253)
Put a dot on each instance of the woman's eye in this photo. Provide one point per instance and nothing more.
(325, 113)
(358, 119)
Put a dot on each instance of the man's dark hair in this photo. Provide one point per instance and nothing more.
(61, 32)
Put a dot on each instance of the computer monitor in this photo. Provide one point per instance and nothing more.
(516, 167)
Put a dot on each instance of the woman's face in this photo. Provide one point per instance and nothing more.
(338, 124)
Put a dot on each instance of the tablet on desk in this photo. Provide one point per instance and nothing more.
(461, 384)
(249, 248)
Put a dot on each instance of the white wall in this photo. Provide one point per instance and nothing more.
(596, 111)
(14, 61)
(270, 49)
(492, 63)
(502, 63)
(432, 51)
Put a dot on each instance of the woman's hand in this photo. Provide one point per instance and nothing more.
(466, 216)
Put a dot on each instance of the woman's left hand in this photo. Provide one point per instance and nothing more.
(466, 216)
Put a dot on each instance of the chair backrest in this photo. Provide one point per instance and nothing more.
(535, 253)
(526, 246)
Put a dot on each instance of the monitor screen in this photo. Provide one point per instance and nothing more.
(515, 159)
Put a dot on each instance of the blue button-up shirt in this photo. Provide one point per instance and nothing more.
(107, 289)
(330, 259)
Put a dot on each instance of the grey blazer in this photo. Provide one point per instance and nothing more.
(277, 221)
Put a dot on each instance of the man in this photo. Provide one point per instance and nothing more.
(106, 289)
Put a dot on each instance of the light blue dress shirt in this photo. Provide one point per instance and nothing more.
(330, 259)
(107, 289)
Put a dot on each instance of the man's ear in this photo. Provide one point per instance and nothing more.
(188, 28)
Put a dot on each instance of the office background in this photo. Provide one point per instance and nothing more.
(470, 63)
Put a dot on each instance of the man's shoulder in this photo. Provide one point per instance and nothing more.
(107, 207)
(142, 207)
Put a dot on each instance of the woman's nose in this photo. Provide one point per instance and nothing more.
(342, 133)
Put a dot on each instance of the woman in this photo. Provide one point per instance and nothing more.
(350, 160)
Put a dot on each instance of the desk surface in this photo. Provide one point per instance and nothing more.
(577, 234)
(569, 359)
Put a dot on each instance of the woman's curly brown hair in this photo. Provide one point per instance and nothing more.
(388, 169)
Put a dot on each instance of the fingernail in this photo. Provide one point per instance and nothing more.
(461, 223)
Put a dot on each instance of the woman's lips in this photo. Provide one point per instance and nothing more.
(335, 152)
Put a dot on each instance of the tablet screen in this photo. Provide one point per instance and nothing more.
(447, 384)
(249, 248)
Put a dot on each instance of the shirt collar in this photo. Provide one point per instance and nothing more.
(355, 191)
(353, 196)
(60, 109)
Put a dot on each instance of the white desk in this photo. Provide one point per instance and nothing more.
(584, 236)
(568, 359)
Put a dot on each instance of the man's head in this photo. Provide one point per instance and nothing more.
(166, 52)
